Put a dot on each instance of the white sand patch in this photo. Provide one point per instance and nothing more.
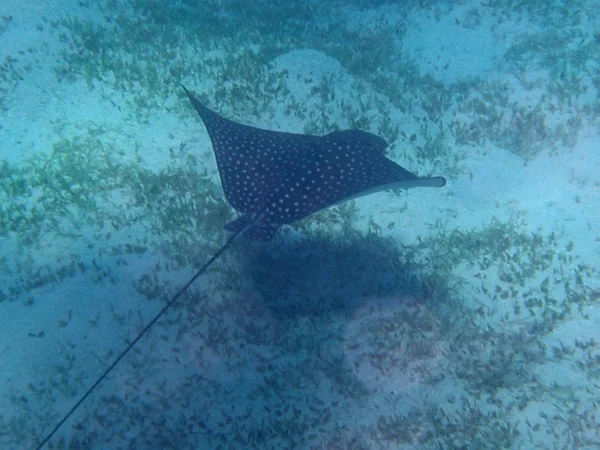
(463, 42)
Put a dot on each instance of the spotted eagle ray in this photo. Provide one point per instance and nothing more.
(275, 178)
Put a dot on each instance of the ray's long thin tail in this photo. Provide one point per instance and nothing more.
(142, 333)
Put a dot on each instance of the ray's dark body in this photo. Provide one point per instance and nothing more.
(275, 178)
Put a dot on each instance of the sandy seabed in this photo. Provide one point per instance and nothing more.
(461, 317)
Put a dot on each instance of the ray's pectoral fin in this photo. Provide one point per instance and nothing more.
(423, 182)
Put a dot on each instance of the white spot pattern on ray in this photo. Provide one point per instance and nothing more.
(284, 177)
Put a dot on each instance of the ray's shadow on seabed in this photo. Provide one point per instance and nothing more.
(349, 310)
(317, 276)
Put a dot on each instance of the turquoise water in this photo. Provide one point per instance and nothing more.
(459, 317)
